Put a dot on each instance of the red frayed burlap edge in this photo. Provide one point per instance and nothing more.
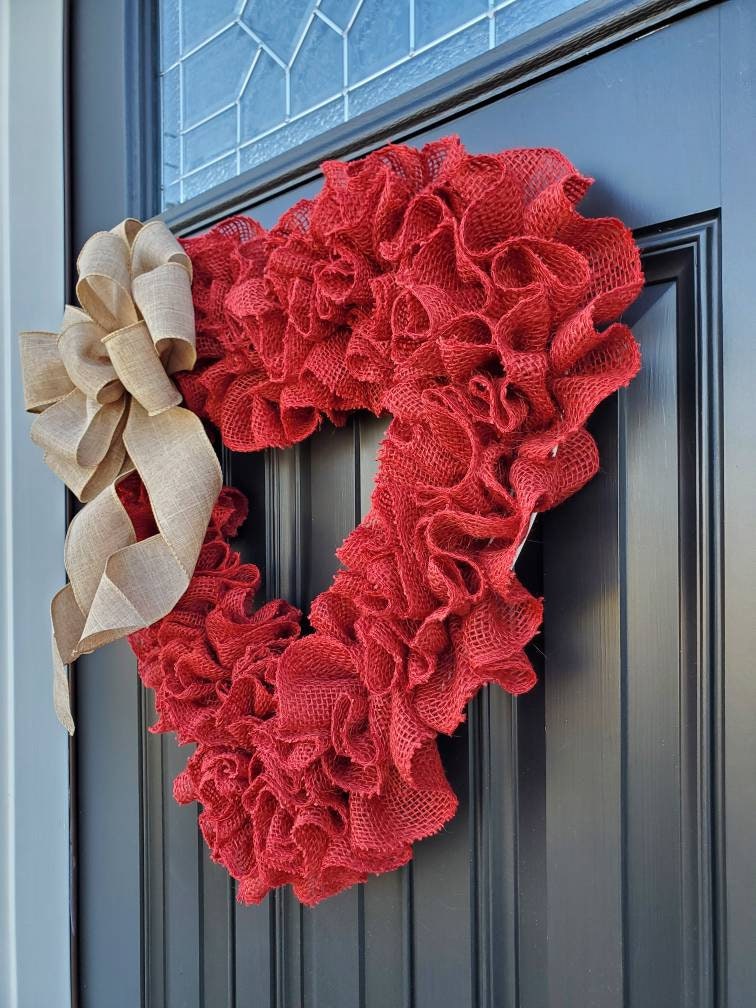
(465, 296)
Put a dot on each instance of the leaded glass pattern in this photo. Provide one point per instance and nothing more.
(244, 80)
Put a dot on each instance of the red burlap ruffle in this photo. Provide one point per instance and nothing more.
(465, 296)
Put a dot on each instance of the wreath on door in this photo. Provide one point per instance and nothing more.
(462, 294)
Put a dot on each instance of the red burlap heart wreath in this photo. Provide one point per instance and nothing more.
(465, 296)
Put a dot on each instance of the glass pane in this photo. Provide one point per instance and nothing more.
(212, 77)
(316, 68)
(378, 36)
(245, 80)
(434, 18)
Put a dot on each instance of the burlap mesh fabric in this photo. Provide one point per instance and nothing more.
(465, 296)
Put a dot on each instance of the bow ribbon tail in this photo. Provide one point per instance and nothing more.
(118, 585)
(67, 623)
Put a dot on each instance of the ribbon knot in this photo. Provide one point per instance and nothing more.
(107, 406)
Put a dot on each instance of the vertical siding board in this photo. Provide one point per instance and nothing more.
(155, 853)
(529, 835)
(370, 433)
(383, 899)
(331, 501)
(655, 677)
(331, 948)
(217, 938)
(526, 986)
(254, 937)
(384, 942)
(290, 953)
(493, 843)
(506, 776)
(286, 511)
(109, 828)
(442, 901)
(583, 736)
(250, 955)
(182, 890)
(332, 966)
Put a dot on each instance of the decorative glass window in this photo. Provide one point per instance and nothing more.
(244, 80)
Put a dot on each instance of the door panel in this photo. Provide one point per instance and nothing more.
(585, 865)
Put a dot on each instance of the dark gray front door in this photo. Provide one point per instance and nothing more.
(589, 865)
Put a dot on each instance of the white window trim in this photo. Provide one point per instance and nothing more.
(34, 800)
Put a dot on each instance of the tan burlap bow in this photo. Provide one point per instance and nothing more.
(108, 407)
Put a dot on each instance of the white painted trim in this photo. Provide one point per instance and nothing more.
(34, 830)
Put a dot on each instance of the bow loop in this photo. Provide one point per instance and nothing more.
(128, 229)
(164, 298)
(139, 368)
(45, 377)
(107, 406)
(152, 246)
(86, 359)
(104, 286)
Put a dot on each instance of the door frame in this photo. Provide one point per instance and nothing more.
(34, 751)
